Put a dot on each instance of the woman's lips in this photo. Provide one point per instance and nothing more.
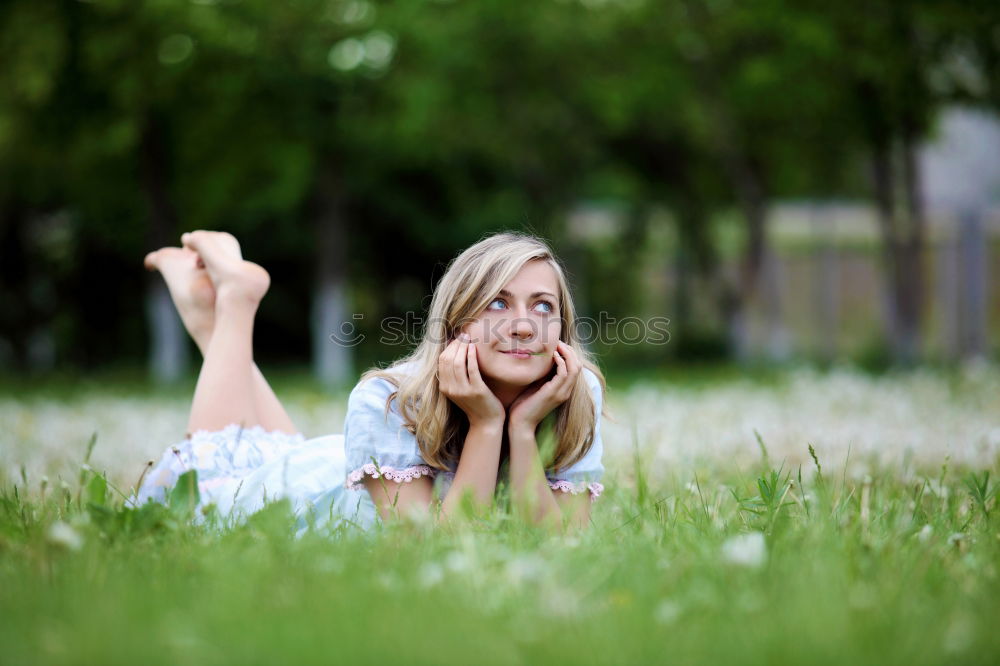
(520, 354)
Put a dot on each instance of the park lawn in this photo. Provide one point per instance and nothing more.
(717, 564)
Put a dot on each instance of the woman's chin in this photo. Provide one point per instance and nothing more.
(516, 376)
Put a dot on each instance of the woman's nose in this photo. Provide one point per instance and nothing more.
(522, 327)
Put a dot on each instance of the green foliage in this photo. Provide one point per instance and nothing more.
(421, 125)
(184, 497)
(980, 490)
(772, 491)
(674, 565)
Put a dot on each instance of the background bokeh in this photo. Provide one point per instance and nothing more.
(782, 180)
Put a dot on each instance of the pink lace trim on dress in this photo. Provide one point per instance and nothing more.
(576, 488)
(404, 475)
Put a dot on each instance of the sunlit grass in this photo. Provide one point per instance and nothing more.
(779, 543)
(718, 566)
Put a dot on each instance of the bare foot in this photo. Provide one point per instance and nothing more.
(236, 281)
(190, 288)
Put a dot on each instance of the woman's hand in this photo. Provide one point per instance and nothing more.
(540, 398)
(459, 379)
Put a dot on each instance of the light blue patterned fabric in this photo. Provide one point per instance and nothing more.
(586, 473)
(241, 469)
(377, 443)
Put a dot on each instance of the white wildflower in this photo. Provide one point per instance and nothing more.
(667, 612)
(570, 542)
(430, 575)
(524, 568)
(63, 535)
(386, 581)
(925, 533)
(748, 550)
(457, 562)
(562, 602)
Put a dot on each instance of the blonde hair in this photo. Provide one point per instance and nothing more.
(470, 283)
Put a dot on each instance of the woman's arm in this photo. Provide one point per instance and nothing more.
(532, 493)
(529, 488)
(410, 499)
(476, 477)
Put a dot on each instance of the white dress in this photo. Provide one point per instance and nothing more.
(242, 469)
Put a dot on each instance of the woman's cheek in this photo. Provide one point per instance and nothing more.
(552, 334)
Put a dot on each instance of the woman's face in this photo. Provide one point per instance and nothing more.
(523, 316)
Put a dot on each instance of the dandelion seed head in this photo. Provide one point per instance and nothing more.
(925, 533)
(457, 562)
(667, 612)
(430, 575)
(747, 550)
(386, 581)
(523, 569)
(64, 536)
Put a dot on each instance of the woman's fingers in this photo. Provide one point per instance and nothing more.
(572, 360)
(560, 381)
(446, 362)
(570, 366)
(460, 361)
(560, 363)
(473, 368)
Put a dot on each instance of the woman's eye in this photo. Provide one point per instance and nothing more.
(549, 308)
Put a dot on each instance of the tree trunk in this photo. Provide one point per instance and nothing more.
(15, 319)
(753, 204)
(973, 301)
(947, 310)
(168, 349)
(902, 248)
(333, 327)
(912, 276)
(747, 177)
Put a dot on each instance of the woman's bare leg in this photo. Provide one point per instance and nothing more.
(194, 295)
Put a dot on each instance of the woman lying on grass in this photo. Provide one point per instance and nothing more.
(434, 432)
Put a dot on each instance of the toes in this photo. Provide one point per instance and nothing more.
(229, 244)
(190, 240)
(219, 242)
(170, 258)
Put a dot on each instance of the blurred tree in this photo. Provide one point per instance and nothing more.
(714, 104)
(903, 62)
(351, 144)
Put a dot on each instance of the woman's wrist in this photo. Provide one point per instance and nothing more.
(487, 425)
(520, 429)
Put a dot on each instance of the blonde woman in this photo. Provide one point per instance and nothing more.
(432, 433)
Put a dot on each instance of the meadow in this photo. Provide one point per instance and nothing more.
(788, 516)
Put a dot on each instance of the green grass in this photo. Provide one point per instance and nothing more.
(877, 571)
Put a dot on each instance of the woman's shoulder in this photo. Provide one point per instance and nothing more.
(381, 385)
(594, 382)
(372, 431)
